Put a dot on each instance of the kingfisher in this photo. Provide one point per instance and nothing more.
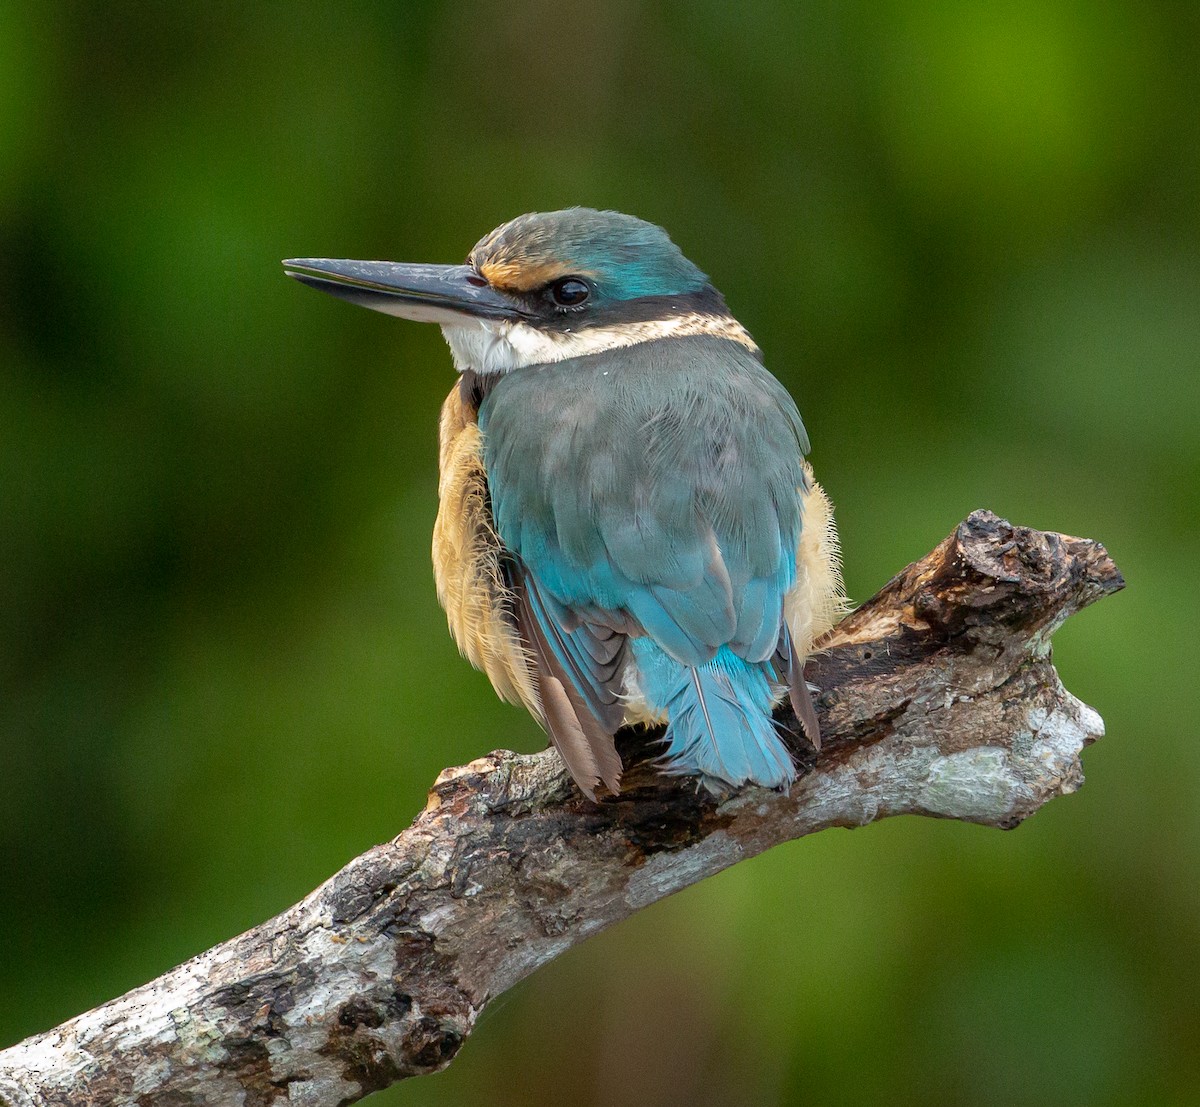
(628, 529)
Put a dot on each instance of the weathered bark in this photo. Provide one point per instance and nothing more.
(938, 697)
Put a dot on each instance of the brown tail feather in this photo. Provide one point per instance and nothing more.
(569, 739)
(798, 693)
(802, 705)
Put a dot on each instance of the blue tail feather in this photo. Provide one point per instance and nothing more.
(720, 726)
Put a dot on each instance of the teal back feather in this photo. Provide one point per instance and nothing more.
(659, 483)
(659, 479)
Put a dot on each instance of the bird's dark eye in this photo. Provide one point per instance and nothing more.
(569, 292)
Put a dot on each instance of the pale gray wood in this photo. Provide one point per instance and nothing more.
(938, 697)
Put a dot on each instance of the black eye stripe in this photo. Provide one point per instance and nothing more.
(569, 292)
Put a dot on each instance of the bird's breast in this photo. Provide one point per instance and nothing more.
(467, 560)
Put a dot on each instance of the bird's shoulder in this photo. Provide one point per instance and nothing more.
(638, 472)
(659, 390)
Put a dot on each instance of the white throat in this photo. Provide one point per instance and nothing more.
(487, 346)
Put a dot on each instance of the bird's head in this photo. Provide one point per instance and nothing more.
(541, 288)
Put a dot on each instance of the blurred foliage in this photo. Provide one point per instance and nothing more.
(965, 234)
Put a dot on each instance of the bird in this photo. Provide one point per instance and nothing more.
(628, 529)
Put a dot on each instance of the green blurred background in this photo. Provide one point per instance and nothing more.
(966, 237)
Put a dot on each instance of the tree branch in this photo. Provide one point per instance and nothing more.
(938, 697)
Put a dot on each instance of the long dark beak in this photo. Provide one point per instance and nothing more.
(427, 293)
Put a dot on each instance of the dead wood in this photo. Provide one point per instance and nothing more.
(937, 697)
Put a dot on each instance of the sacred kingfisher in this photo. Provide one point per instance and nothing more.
(628, 530)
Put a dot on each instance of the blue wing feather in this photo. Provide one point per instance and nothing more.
(591, 656)
(655, 485)
(604, 515)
